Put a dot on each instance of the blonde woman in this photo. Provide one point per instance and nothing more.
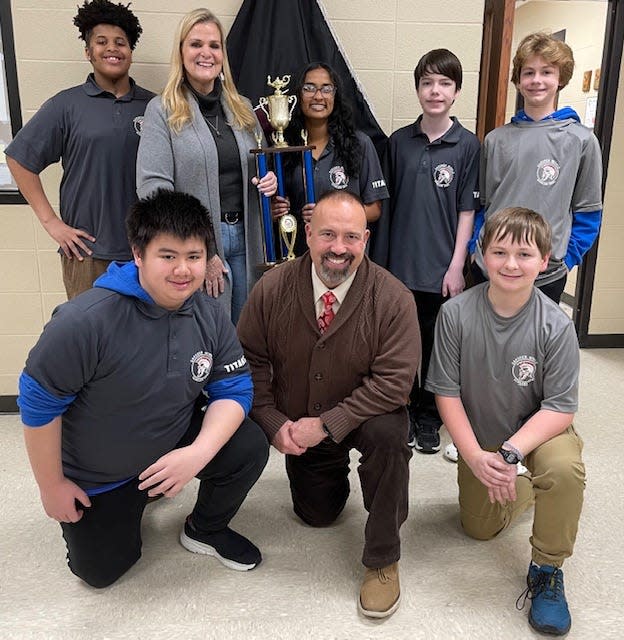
(196, 138)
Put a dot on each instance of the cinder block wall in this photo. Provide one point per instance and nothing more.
(383, 39)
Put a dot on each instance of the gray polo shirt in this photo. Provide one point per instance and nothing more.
(329, 173)
(136, 370)
(430, 183)
(96, 137)
(504, 369)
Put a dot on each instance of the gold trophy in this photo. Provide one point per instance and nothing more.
(278, 112)
(288, 234)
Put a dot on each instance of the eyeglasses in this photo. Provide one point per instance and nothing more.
(311, 89)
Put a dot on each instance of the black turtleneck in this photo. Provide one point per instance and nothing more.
(230, 172)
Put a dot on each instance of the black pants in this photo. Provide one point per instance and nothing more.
(422, 402)
(319, 483)
(553, 290)
(106, 541)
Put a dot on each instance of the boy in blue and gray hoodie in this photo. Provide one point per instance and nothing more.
(135, 387)
(544, 160)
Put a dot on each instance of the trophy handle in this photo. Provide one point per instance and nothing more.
(263, 102)
(292, 99)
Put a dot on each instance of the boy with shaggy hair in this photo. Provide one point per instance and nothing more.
(505, 373)
(546, 160)
(431, 167)
(94, 129)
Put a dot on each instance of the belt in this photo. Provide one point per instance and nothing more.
(231, 217)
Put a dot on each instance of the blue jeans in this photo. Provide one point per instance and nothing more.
(235, 260)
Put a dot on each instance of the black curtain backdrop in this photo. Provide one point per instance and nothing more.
(278, 37)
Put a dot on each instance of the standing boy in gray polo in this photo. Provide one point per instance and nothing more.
(505, 373)
(432, 170)
(94, 130)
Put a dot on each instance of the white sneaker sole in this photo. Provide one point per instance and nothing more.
(450, 453)
(379, 614)
(195, 546)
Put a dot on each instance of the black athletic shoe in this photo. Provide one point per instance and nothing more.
(230, 548)
(427, 436)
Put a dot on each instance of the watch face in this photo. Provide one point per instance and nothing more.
(509, 456)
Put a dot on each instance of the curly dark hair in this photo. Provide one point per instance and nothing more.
(105, 12)
(340, 124)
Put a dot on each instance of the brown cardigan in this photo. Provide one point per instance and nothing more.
(363, 366)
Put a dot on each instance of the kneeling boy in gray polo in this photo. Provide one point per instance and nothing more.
(135, 387)
(505, 373)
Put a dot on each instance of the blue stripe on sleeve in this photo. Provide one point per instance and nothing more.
(238, 388)
(479, 221)
(38, 406)
(585, 227)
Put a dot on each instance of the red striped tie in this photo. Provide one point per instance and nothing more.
(324, 320)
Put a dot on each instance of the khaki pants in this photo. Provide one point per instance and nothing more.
(555, 486)
(79, 275)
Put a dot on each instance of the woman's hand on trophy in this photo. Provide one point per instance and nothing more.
(267, 185)
(279, 207)
(215, 270)
(306, 211)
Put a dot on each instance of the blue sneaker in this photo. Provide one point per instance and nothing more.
(549, 609)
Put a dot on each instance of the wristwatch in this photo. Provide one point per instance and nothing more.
(510, 454)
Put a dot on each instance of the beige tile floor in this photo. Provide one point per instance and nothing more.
(453, 587)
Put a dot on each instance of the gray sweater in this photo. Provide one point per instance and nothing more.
(188, 162)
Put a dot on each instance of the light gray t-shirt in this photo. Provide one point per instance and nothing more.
(504, 369)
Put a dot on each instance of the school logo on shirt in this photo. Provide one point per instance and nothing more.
(443, 175)
(201, 366)
(548, 172)
(523, 370)
(338, 178)
(138, 125)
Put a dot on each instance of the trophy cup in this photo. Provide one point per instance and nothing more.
(278, 114)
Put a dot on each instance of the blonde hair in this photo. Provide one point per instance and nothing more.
(522, 225)
(555, 52)
(174, 99)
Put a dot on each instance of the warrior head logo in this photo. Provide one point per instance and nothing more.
(338, 178)
(138, 125)
(523, 370)
(547, 172)
(201, 366)
(443, 175)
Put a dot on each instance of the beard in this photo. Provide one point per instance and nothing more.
(332, 276)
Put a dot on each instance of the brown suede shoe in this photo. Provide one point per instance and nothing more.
(380, 594)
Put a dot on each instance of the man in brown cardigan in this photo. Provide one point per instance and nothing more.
(332, 371)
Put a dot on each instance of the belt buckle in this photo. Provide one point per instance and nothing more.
(231, 217)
